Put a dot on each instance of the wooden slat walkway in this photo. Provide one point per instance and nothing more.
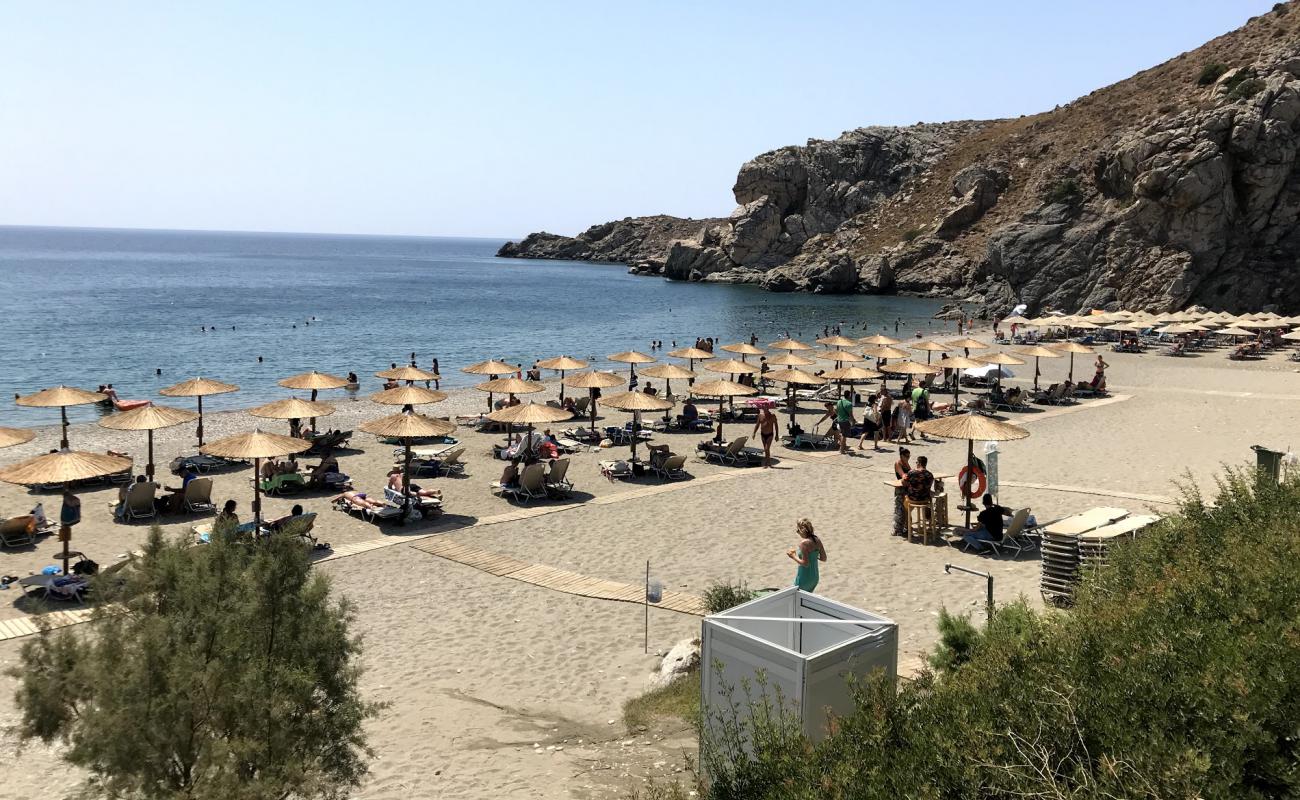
(556, 579)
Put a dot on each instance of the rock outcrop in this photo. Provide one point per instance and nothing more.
(1177, 186)
(633, 240)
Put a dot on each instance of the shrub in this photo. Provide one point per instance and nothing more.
(1246, 89)
(1173, 676)
(678, 700)
(1064, 191)
(723, 595)
(911, 234)
(1211, 73)
(227, 672)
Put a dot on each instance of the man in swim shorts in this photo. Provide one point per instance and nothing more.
(768, 428)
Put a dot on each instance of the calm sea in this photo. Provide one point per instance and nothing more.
(85, 307)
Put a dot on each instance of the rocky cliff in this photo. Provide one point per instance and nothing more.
(632, 240)
(1176, 186)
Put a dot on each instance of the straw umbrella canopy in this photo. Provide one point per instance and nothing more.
(315, 381)
(1290, 337)
(1038, 352)
(742, 349)
(12, 436)
(959, 362)
(632, 358)
(292, 409)
(61, 397)
(723, 390)
(668, 373)
(838, 342)
(562, 364)
(851, 374)
(1259, 325)
(148, 419)
(257, 446)
(64, 466)
(730, 366)
(1072, 348)
(407, 397)
(967, 344)
(879, 340)
(790, 360)
(909, 368)
(841, 357)
(790, 345)
(198, 388)
(592, 381)
(1236, 330)
(409, 374)
(792, 378)
(407, 425)
(691, 354)
(490, 368)
(883, 352)
(1002, 359)
(1015, 319)
(930, 349)
(636, 402)
(972, 428)
(510, 386)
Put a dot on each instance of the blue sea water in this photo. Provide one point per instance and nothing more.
(89, 306)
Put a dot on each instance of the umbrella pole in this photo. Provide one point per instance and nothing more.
(668, 391)
(1070, 377)
(200, 430)
(406, 479)
(721, 400)
(635, 427)
(65, 532)
(148, 470)
(1035, 373)
(257, 495)
(561, 387)
(490, 400)
(63, 443)
(970, 460)
(592, 393)
(313, 399)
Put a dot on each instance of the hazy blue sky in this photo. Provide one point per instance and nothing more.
(498, 118)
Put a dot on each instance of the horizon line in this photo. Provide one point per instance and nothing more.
(255, 232)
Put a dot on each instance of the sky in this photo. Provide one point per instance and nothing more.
(500, 118)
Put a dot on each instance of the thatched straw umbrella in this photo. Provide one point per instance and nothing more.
(879, 340)
(198, 388)
(790, 345)
(958, 362)
(293, 409)
(408, 397)
(967, 344)
(257, 446)
(691, 354)
(313, 381)
(492, 369)
(909, 368)
(410, 374)
(1002, 359)
(1072, 348)
(631, 358)
(529, 414)
(972, 428)
(561, 364)
(668, 373)
(592, 381)
(1038, 352)
(881, 353)
(635, 402)
(742, 349)
(65, 467)
(792, 378)
(61, 397)
(930, 349)
(148, 419)
(12, 436)
(723, 390)
(406, 426)
(838, 342)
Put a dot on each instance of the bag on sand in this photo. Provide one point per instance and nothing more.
(872, 415)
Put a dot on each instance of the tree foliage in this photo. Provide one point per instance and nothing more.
(1176, 674)
(225, 671)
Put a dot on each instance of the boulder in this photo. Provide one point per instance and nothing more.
(681, 660)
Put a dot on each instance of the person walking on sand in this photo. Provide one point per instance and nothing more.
(768, 428)
(808, 553)
(1099, 378)
(842, 410)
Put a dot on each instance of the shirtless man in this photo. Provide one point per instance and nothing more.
(769, 428)
(360, 499)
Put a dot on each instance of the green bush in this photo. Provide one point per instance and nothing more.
(1066, 190)
(1246, 89)
(226, 672)
(911, 234)
(722, 595)
(1174, 676)
(1211, 73)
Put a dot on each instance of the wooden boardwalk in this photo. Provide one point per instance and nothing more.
(556, 579)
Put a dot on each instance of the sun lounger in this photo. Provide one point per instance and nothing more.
(733, 453)
(614, 470)
(1015, 536)
(55, 587)
(1087, 521)
(557, 482)
(284, 483)
(424, 505)
(139, 502)
(672, 468)
(201, 463)
(532, 484)
(20, 531)
(813, 441)
(386, 512)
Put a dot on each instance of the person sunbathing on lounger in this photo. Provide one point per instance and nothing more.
(395, 483)
(360, 499)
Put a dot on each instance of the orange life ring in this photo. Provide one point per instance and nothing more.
(964, 480)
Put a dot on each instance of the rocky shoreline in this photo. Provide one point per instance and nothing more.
(1177, 186)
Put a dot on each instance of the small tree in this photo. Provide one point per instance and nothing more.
(224, 672)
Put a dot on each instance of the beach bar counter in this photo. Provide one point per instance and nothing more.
(809, 649)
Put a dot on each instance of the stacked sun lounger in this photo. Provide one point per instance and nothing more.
(1095, 545)
(1061, 558)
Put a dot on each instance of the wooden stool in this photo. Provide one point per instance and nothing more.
(940, 504)
(920, 520)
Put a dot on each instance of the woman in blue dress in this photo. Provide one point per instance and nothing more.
(807, 554)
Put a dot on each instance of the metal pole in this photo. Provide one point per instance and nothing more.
(645, 599)
(63, 413)
(200, 431)
(406, 479)
(970, 468)
(948, 568)
(257, 495)
(149, 467)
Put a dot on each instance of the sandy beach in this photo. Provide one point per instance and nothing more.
(499, 688)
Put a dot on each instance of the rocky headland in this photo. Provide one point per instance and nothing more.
(1177, 186)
